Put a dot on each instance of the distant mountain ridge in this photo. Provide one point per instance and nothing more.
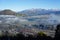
(39, 11)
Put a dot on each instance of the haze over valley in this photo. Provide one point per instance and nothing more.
(31, 20)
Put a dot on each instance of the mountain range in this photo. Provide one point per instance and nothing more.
(40, 12)
(30, 12)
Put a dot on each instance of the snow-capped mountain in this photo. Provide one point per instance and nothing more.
(39, 11)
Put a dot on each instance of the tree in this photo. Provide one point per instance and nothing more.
(57, 33)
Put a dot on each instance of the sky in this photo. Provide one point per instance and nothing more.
(19, 5)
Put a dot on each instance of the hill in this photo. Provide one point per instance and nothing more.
(7, 12)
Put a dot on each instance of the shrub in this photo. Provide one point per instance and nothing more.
(41, 34)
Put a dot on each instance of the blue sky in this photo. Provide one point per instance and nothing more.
(18, 5)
